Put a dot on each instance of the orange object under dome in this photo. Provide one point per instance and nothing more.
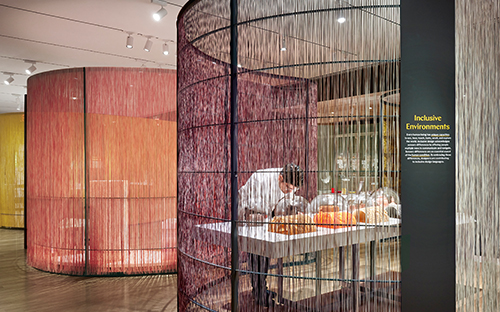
(334, 220)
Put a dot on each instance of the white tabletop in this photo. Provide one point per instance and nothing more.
(258, 240)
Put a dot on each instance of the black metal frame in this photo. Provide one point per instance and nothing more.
(234, 156)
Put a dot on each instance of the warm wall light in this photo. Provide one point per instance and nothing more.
(160, 14)
(341, 19)
(283, 45)
(165, 48)
(148, 45)
(130, 42)
(30, 69)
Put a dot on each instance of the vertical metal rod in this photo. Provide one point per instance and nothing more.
(341, 264)
(280, 280)
(319, 264)
(25, 171)
(85, 199)
(372, 263)
(234, 156)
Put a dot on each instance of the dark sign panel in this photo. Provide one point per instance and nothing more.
(428, 157)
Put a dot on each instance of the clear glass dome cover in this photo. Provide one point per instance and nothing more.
(387, 198)
(356, 201)
(384, 195)
(321, 202)
(291, 204)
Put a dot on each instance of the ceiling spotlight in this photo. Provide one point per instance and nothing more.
(341, 19)
(130, 42)
(160, 14)
(31, 69)
(165, 48)
(283, 46)
(148, 45)
(9, 80)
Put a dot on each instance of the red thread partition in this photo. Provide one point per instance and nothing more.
(102, 171)
(277, 126)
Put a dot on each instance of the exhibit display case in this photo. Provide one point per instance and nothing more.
(101, 171)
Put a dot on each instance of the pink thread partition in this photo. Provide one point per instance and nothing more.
(102, 171)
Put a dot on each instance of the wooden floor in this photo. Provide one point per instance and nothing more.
(23, 288)
(300, 294)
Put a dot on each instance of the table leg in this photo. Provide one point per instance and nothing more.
(342, 265)
(372, 263)
(355, 276)
(318, 281)
(280, 280)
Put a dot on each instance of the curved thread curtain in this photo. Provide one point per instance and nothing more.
(102, 171)
(313, 92)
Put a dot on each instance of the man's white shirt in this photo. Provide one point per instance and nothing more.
(261, 192)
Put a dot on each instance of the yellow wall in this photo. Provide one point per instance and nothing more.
(12, 170)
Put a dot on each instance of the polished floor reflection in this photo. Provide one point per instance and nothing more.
(23, 288)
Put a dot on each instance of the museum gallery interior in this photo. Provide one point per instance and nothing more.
(294, 156)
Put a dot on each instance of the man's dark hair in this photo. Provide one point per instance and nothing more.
(292, 174)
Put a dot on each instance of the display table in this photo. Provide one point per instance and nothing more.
(258, 240)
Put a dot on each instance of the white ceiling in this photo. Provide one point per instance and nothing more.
(59, 34)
